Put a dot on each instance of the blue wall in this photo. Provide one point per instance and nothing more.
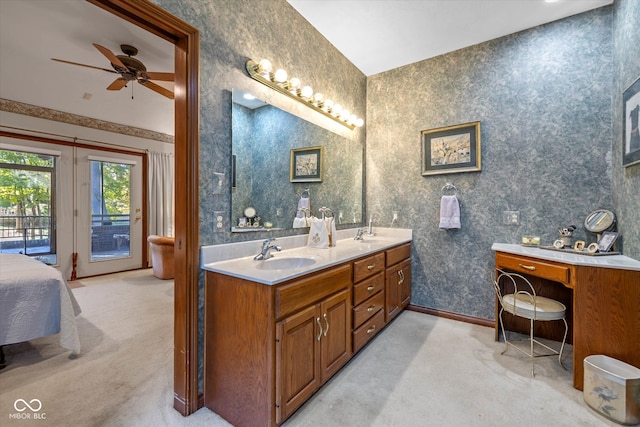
(543, 97)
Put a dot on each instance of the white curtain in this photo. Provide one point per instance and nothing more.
(161, 198)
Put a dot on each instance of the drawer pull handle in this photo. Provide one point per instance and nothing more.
(371, 308)
(528, 267)
(371, 329)
(320, 327)
(371, 267)
(327, 322)
(370, 288)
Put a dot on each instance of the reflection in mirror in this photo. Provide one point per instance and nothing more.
(599, 221)
(262, 139)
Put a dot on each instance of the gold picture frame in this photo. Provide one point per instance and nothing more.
(306, 164)
(451, 149)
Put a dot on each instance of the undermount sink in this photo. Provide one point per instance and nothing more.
(289, 263)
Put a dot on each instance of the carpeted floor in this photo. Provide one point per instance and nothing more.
(419, 371)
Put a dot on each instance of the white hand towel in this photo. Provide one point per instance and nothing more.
(300, 223)
(303, 203)
(449, 213)
(318, 234)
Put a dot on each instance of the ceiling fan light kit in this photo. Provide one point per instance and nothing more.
(130, 69)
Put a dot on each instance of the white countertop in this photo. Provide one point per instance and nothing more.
(221, 259)
(606, 261)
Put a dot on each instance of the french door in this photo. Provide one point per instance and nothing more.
(108, 212)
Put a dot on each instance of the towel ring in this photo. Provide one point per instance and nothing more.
(449, 187)
(305, 194)
(326, 212)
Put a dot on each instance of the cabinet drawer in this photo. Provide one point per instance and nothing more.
(366, 288)
(368, 308)
(304, 292)
(534, 267)
(397, 254)
(367, 267)
(368, 330)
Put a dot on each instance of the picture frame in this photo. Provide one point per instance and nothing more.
(451, 149)
(607, 240)
(306, 164)
(630, 118)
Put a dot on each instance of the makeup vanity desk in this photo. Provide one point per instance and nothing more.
(602, 295)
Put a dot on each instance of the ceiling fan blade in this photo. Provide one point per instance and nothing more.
(110, 56)
(117, 84)
(84, 65)
(165, 77)
(156, 88)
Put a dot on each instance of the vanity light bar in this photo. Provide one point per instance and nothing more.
(278, 80)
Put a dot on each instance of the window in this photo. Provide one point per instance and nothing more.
(27, 204)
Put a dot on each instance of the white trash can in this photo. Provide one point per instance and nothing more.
(612, 388)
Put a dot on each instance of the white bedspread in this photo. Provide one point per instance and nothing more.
(35, 301)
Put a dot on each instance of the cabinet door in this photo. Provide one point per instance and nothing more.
(392, 294)
(336, 333)
(297, 360)
(405, 283)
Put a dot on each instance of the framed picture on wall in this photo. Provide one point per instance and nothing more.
(451, 149)
(306, 164)
(630, 132)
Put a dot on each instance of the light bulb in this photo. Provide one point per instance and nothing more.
(328, 105)
(264, 66)
(280, 75)
(294, 83)
(317, 98)
(359, 123)
(336, 110)
(345, 114)
(352, 119)
(307, 92)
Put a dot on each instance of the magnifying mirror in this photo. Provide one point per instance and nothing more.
(250, 212)
(599, 221)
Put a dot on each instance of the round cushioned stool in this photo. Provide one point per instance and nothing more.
(517, 296)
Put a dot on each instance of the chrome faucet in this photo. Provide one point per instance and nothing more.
(265, 252)
(358, 235)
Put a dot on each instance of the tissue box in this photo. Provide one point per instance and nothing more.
(612, 388)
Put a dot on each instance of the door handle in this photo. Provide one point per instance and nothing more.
(327, 322)
(319, 326)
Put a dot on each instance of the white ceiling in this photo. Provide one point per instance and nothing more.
(379, 35)
(376, 35)
(34, 31)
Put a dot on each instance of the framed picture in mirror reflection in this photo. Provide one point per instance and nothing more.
(306, 164)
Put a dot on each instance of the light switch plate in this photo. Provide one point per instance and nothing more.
(511, 217)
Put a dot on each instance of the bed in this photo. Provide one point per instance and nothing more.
(35, 301)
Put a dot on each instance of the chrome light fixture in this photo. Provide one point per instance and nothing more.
(292, 87)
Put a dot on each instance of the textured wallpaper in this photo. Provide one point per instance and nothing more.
(543, 97)
(626, 181)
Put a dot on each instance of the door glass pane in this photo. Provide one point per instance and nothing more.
(27, 214)
(110, 210)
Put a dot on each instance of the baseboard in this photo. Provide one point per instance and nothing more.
(451, 315)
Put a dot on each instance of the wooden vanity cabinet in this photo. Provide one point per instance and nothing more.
(368, 299)
(398, 280)
(311, 346)
(268, 348)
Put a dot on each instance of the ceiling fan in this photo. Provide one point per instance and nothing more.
(130, 69)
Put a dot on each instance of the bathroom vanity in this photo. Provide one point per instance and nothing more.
(602, 296)
(277, 330)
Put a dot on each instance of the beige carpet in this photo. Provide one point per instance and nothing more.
(420, 371)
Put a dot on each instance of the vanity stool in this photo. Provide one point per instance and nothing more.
(517, 296)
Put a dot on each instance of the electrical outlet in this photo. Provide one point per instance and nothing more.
(279, 212)
(511, 217)
(394, 219)
(218, 221)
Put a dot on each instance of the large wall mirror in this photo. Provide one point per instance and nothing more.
(263, 139)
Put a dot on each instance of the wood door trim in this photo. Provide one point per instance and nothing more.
(186, 40)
